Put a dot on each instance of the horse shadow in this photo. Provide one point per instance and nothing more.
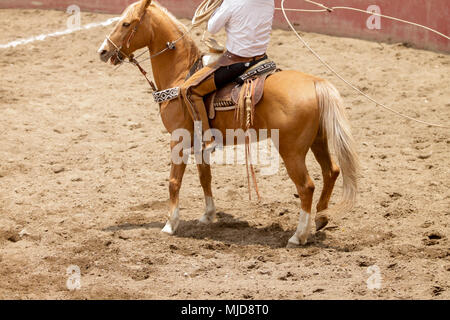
(230, 230)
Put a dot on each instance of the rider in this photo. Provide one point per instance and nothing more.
(248, 24)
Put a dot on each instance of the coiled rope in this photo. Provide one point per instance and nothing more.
(205, 11)
(341, 77)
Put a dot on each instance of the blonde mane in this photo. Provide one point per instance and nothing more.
(191, 45)
(177, 22)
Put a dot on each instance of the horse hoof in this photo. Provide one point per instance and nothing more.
(207, 219)
(291, 245)
(321, 222)
(169, 229)
(295, 242)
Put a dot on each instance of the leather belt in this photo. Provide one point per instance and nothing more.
(237, 58)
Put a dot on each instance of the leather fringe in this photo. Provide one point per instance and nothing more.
(245, 112)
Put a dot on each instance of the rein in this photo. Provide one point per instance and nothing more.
(131, 59)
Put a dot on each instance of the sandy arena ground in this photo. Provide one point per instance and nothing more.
(84, 165)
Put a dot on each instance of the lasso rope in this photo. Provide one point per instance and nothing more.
(332, 9)
(341, 77)
(205, 11)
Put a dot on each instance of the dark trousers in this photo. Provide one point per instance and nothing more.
(225, 75)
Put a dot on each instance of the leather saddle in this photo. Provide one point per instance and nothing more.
(227, 98)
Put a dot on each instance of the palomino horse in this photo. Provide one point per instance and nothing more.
(307, 111)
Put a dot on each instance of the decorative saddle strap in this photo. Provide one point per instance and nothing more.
(257, 70)
(166, 95)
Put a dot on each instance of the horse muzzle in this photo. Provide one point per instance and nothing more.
(114, 57)
(105, 55)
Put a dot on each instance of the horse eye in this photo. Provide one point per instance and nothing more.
(126, 24)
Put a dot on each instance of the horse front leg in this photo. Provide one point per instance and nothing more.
(176, 176)
(204, 172)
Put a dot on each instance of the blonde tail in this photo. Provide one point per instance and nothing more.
(335, 125)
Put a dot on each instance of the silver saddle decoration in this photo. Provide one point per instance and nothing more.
(257, 70)
(166, 95)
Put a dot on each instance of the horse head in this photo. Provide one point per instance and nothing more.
(128, 35)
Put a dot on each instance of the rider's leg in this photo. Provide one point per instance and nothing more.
(193, 97)
(196, 94)
(227, 74)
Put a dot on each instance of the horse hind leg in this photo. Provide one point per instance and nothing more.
(330, 172)
(297, 171)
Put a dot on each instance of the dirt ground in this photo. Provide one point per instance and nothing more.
(84, 165)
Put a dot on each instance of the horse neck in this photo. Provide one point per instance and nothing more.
(171, 67)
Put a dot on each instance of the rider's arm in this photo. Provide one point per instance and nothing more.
(220, 18)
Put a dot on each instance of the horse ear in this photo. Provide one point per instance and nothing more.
(142, 6)
(145, 4)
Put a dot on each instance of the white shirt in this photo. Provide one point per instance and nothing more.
(248, 24)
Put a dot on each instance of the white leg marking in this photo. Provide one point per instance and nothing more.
(173, 222)
(210, 211)
(303, 230)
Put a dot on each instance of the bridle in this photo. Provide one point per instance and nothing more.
(133, 60)
(118, 49)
